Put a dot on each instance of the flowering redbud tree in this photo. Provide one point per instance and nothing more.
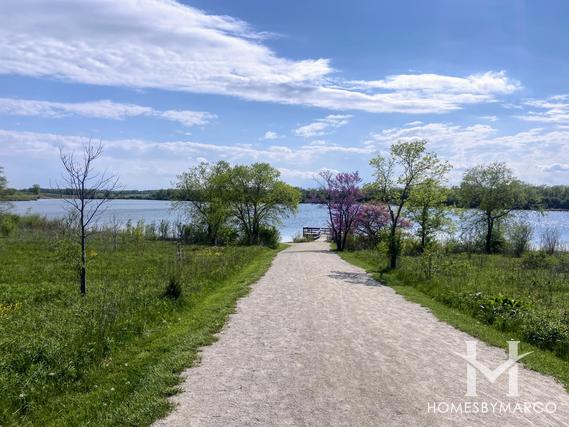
(342, 193)
(372, 219)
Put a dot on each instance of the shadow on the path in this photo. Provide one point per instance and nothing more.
(354, 278)
(310, 251)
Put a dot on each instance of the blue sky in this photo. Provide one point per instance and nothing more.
(302, 85)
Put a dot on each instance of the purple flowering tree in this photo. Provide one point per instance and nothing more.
(371, 220)
(342, 193)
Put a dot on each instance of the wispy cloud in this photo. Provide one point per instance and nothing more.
(323, 126)
(478, 84)
(554, 110)
(145, 161)
(270, 135)
(557, 167)
(167, 45)
(18, 143)
(104, 109)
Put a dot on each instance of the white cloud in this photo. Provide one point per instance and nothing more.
(436, 134)
(299, 174)
(104, 109)
(270, 135)
(490, 118)
(556, 167)
(323, 126)
(167, 45)
(186, 117)
(536, 155)
(318, 142)
(554, 110)
(15, 143)
(476, 84)
(533, 154)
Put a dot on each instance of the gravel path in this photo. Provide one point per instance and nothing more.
(318, 343)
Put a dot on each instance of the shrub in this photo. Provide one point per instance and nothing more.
(7, 225)
(173, 288)
(550, 240)
(548, 334)
(227, 235)
(302, 239)
(500, 311)
(410, 246)
(519, 237)
(355, 242)
(269, 236)
(535, 260)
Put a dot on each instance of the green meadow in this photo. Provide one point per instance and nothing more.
(113, 356)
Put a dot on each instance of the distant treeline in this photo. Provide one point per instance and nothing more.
(32, 193)
(538, 196)
(541, 196)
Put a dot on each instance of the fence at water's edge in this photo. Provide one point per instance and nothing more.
(316, 232)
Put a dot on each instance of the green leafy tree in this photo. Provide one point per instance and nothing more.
(3, 180)
(407, 167)
(4, 205)
(35, 189)
(495, 192)
(202, 192)
(427, 208)
(258, 198)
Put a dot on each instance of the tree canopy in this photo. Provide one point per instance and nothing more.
(427, 208)
(4, 205)
(495, 192)
(408, 166)
(202, 191)
(257, 198)
(342, 194)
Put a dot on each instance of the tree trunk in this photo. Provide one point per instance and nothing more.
(393, 249)
(340, 241)
(489, 233)
(83, 285)
(255, 234)
(423, 225)
(344, 240)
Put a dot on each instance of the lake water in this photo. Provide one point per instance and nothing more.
(308, 215)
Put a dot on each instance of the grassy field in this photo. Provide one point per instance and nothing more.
(112, 357)
(493, 297)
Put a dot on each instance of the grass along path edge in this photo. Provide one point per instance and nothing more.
(132, 387)
(539, 360)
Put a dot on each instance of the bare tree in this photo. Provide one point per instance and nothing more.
(550, 240)
(90, 190)
(115, 226)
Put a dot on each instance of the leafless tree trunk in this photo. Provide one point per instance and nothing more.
(115, 227)
(90, 191)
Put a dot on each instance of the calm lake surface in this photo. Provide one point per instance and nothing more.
(308, 215)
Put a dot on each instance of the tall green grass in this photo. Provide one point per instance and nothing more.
(55, 343)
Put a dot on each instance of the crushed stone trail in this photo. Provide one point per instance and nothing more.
(317, 342)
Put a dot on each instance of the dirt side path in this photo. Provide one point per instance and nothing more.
(318, 343)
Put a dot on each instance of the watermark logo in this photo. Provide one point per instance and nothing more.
(494, 406)
(510, 365)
